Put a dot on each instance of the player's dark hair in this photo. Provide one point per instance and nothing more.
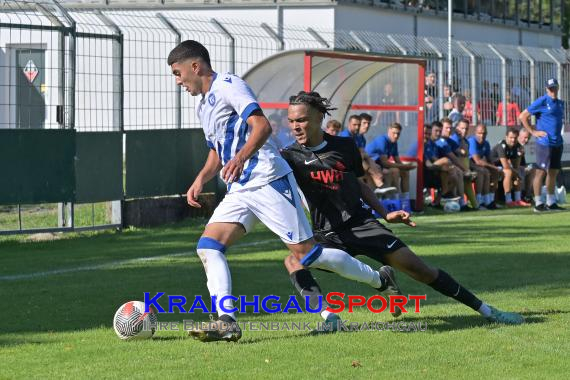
(464, 121)
(396, 126)
(446, 120)
(459, 97)
(436, 124)
(366, 116)
(481, 125)
(312, 99)
(513, 130)
(357, 117)
(186, 50)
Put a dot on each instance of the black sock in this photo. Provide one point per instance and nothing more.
(446, 285)
(306, 285)
(226, 318)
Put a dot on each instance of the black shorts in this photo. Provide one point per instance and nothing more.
(548, 157)
(432, 178)
(367, 237)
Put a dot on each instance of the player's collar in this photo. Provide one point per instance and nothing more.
(318, 147)
(214, 76)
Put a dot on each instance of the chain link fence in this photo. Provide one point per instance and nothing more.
(105, 70)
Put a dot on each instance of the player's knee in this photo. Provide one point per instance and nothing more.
(208, 246)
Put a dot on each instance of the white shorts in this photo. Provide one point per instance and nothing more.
(277, 205)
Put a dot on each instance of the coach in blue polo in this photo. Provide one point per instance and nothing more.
(549, 113)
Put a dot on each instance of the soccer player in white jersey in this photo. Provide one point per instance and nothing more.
(261, 186)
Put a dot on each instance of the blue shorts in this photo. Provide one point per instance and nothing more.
(548, 157)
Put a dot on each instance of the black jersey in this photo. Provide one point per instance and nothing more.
(502, 150)
(329, 179)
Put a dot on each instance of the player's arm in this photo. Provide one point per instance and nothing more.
(505, 163)
(394, 217)
(481, 162)
(388, 164)
(209, 171)
(260, 132)
(524, 117)
(456, 161)
(402, 165)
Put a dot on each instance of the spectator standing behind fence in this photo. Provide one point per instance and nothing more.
(468, 110)
(430, 97)
(456, 113)
(513, 113)
(549, 113)
(385, 118)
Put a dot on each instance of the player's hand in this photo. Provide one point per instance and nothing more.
(192, 194)
(400, 216)
(233, 169)
(409, 166)
(538, 134)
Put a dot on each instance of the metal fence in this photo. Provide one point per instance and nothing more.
(105, 70)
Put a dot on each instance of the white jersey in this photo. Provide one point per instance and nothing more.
(223, 113)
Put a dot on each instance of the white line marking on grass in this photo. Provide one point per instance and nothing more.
(117, 263)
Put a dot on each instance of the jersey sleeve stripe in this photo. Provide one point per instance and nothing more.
(249, 110)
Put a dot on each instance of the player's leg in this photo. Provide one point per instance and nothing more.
(468, 186)
(542, 165)
(228, 224)
(374, 171)
(279, 208)
(408, 262)
(508, 178)
(529, 183)
(394, 174)
(553, 169)
(405, 188)
(460, 186)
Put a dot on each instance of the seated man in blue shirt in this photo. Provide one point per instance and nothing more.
(446, 147)
(480, 155)
(374, 175)
(549, 113)
(384, 150)
(459, 139)
(435, 160)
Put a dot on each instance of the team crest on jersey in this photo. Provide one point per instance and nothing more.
(212, 99)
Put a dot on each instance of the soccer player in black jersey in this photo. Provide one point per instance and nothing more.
(328, 170)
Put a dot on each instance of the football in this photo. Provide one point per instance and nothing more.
(452, 206)
(131, 322)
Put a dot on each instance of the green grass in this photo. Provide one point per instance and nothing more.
(59, 325)
(45, 215)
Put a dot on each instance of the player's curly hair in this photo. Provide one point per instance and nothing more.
(313, 99)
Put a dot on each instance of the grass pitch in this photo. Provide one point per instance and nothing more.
(59, 298)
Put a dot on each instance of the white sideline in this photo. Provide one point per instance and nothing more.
(116, 263)
(26, 276)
